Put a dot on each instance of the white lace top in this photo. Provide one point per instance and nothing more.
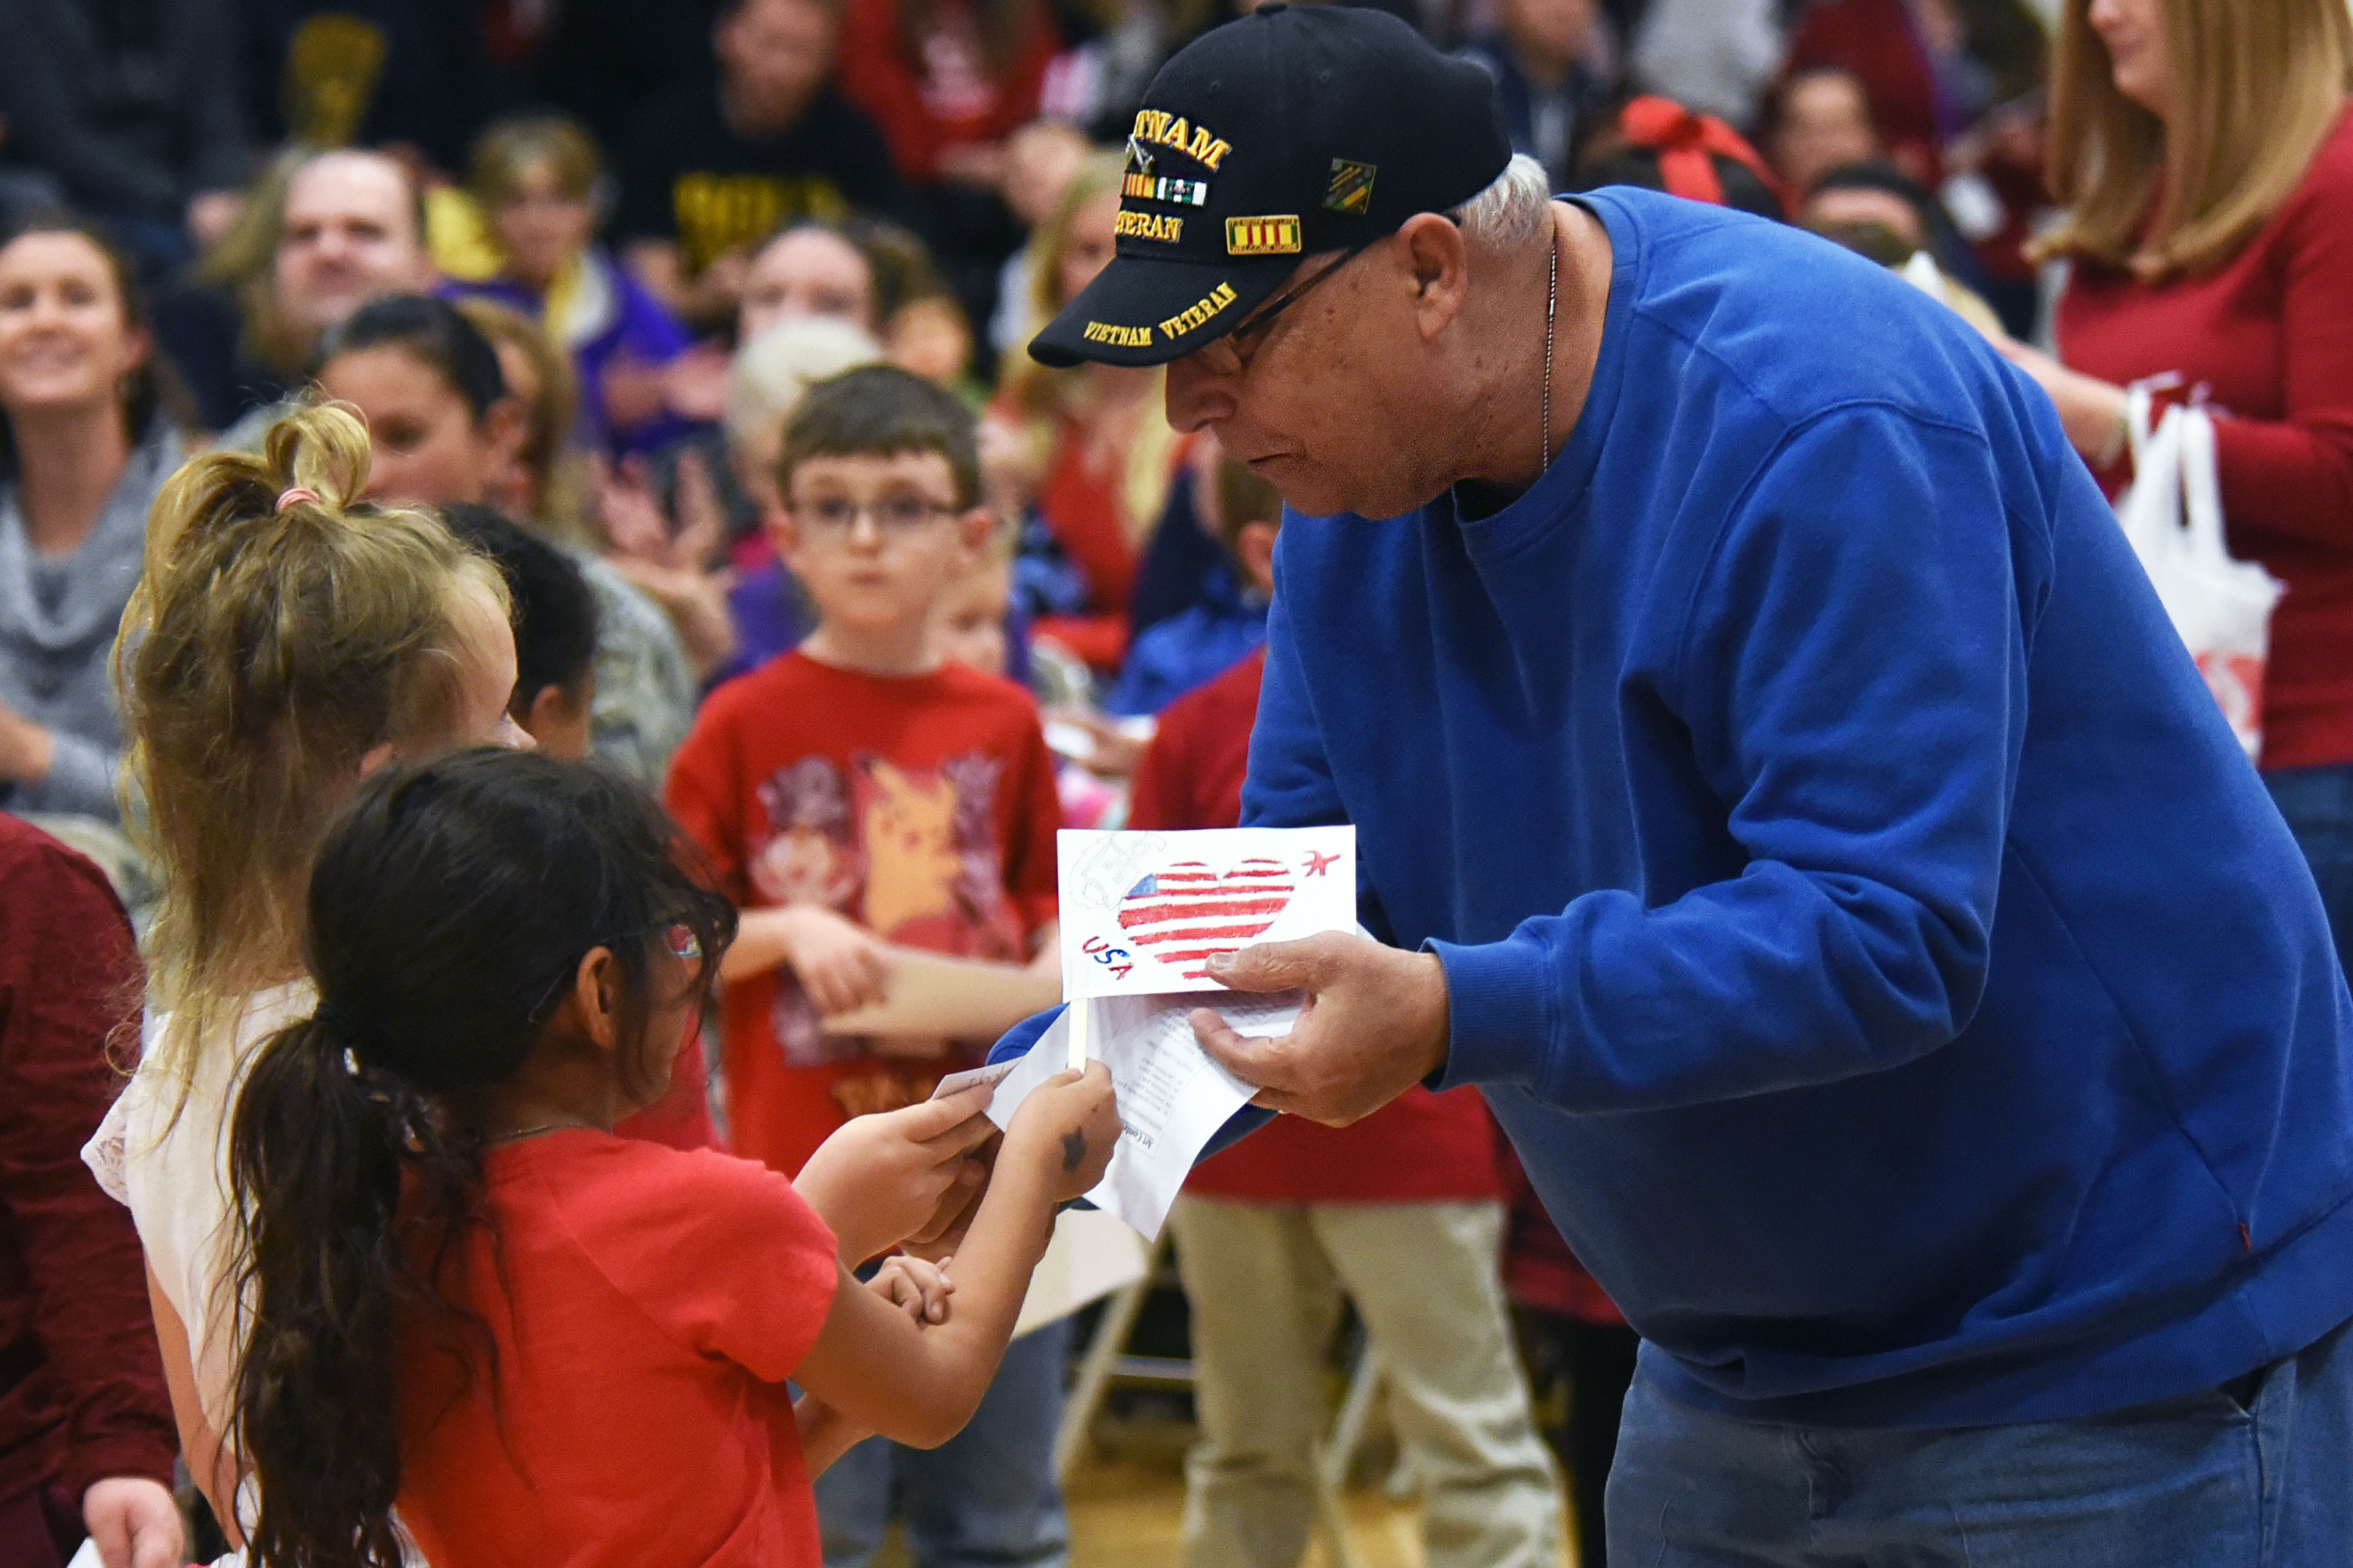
(172, 1175)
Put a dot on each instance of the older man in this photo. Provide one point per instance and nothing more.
(1782, 795)
(350, 228)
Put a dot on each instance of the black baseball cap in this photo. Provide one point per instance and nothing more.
(1281, 134)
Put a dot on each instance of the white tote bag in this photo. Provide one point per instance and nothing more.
(2173, 518)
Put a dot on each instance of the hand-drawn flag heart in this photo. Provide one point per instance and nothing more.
(1188, 914)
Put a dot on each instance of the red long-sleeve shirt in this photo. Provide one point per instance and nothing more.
(949, 99)
(81, 1384)
(2270, 336)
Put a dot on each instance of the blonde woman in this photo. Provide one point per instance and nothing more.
(1089, 446)
(284, 642)
(2206, 154)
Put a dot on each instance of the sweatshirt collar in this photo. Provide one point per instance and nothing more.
(1561, 487)
(103, 569)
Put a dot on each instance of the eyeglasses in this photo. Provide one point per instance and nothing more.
(1229, 354)
(894, 516)
(677, 939)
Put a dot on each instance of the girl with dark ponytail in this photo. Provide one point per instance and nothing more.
(544, 1342)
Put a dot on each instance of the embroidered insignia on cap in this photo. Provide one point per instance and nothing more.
(1163, 128)
(1351, 189)
(1200, 313)
(1137, 158)
(1118, 337)
(1276, 235)
(1150, 226)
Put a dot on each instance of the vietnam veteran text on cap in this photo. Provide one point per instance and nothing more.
(1281, 134)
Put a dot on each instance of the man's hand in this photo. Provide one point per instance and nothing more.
(134, 1522)
(899, 1175)
(1375, 1025)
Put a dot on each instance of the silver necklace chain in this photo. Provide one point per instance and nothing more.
(1551, 312)
(520, 1134)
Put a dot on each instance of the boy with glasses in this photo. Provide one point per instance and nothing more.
(861, 791)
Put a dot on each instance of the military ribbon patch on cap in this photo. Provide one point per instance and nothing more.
(1179, 192)
(1351, 189)
(1276, 235)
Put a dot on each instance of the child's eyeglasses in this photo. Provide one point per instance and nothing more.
(678, 941)
(894, 516)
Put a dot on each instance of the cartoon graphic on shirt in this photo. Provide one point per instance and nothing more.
(808, 860)
(910, 854)
(909, 832)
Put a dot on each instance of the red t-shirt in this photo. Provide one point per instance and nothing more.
(934, 92)
(2271, 338)
(654, 1303)
(681, 1119)
(921, 807)
(1420, 1147)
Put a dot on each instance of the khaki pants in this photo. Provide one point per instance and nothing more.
(1266, 1282)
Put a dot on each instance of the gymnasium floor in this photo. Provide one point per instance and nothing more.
(1124, 1506)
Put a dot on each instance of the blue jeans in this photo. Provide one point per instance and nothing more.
(985, 1499)
(2257, 1475)
(2319, 806)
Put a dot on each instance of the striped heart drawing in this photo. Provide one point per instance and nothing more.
(1188, 914)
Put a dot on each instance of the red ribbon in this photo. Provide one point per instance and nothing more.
(1685, 143)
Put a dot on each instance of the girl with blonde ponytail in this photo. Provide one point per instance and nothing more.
(286, 640)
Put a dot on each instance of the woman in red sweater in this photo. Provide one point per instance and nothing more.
(2206, 154)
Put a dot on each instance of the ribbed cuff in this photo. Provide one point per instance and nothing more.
(95, 1460)
(1496, 1029)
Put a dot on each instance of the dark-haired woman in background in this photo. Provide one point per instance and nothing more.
(445, 431)
(84, 447)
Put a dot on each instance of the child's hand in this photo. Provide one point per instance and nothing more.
(841, 965)
(922, 1289)
(899, 1176)
(1070, 1123)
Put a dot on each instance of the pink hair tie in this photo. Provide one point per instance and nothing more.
(293, 493)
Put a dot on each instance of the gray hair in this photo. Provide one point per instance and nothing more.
(1512, 211)
(769, 374)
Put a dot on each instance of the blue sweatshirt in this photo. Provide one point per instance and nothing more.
(1901, 990)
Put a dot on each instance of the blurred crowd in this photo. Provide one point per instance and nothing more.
(576, 260)
(669, 219)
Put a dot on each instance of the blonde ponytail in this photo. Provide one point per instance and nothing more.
(267, 652)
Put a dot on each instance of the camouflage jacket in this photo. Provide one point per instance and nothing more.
(645, 683)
